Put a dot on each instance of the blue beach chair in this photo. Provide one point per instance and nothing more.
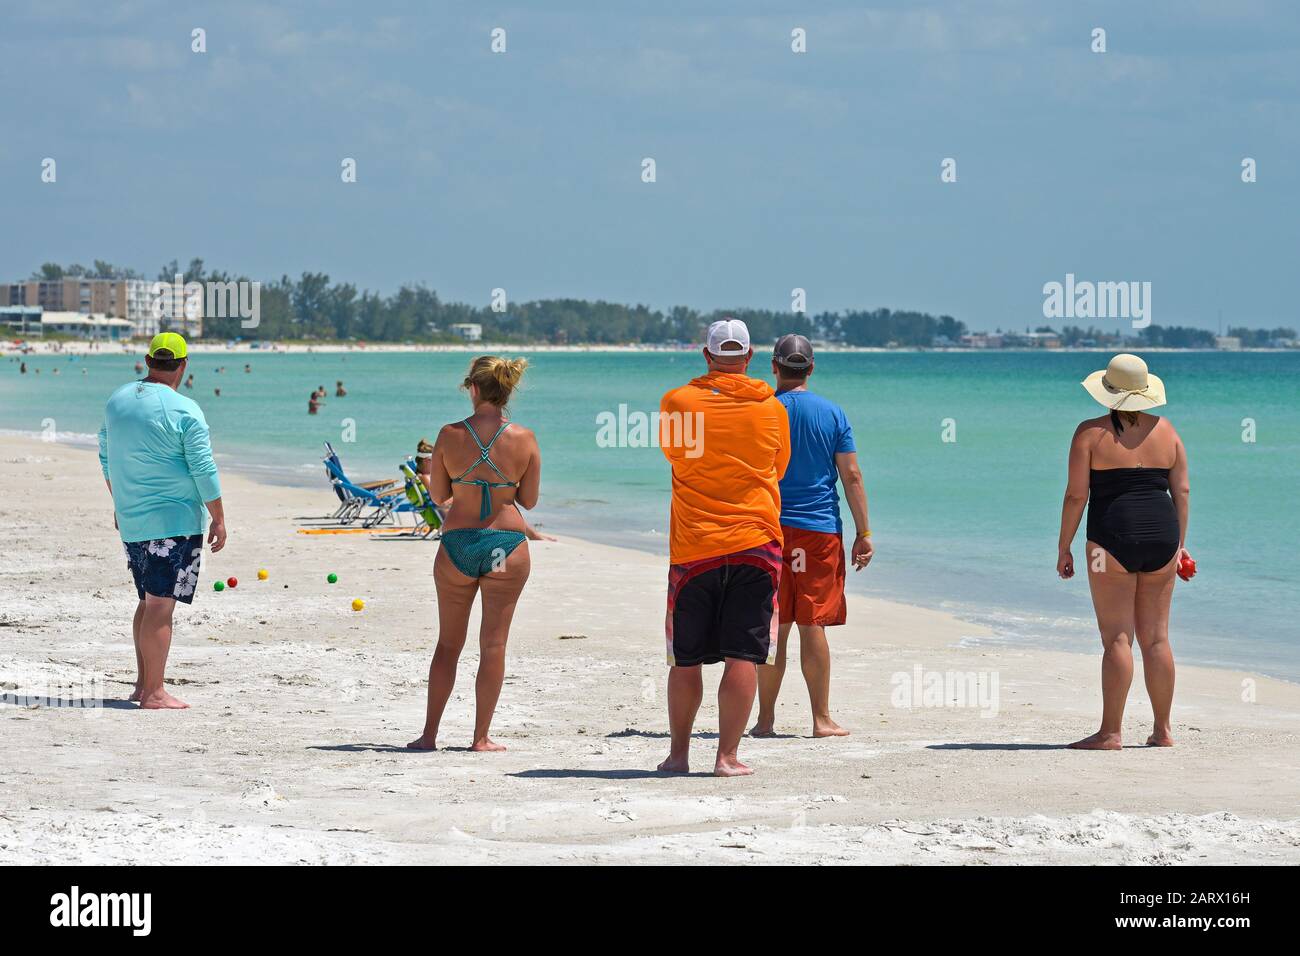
(353, 496)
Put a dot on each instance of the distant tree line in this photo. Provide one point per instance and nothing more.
(50, 271)
(1262, 338)
(312, 307)
(1176, 337)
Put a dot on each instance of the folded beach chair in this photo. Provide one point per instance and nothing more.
(387, 504)
(352, 495)
(426, 509)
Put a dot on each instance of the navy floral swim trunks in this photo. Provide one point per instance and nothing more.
(166, 567)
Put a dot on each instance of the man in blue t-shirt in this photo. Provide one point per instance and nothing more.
(812, 573)
(157, 461)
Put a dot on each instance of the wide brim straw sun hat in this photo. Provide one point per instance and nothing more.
(1125, 385)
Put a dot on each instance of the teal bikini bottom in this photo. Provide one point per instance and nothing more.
(480, 551)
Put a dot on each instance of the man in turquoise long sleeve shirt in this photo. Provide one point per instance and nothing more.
(157, 460)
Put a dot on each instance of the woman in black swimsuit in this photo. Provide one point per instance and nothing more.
(1130, 470)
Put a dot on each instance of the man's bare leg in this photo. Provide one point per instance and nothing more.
(815, 661)
(769, 687)
(685, 692)
(735, 700)
(155, 644)
(139, 660)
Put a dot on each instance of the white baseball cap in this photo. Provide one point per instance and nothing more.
(726, 332)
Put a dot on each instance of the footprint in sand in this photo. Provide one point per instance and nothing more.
(617, 815)
(263, 796)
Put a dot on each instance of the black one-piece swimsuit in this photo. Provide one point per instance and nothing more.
(1131, 515)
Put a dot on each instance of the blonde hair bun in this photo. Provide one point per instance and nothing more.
(495, 377)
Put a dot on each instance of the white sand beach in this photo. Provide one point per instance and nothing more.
(293, 749)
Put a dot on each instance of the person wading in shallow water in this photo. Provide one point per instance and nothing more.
(156, 458)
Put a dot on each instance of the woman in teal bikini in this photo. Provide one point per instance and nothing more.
(486, 465)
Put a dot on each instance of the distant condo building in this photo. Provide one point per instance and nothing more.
(128, 299)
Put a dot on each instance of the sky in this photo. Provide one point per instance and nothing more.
(774, 170)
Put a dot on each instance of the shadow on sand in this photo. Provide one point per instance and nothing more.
(84, 703)
(385, 749)
(970, 746)
(542, 774)
(657, 734)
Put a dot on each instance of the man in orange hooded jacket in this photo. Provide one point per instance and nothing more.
(728, 440)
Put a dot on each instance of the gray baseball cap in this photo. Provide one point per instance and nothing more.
(793, 351)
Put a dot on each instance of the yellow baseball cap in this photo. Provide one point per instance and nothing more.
(168, 342)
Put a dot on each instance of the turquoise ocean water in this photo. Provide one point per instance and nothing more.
(968, 526)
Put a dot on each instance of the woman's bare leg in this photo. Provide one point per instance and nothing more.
(1155, 591)
(455, 599)
(1113, 591)
(501, 590)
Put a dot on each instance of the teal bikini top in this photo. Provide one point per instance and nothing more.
(484, 458)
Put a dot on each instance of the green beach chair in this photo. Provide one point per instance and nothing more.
(426, 509)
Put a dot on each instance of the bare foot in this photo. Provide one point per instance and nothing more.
(486, 745)
(825, 727)
(1098, 741)
(762, 730)
(674, 765)
(161, 700)
(730, 767)
(1161, 738)
(425, 741)
(135, 696)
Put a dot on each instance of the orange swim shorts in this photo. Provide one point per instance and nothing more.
(812, 578)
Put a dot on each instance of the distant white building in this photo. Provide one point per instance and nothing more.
(21, 321)
(1044, 340)
(1229, 343)
(982, 340)
(469, 331)
(128, 299)
(84, 326)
